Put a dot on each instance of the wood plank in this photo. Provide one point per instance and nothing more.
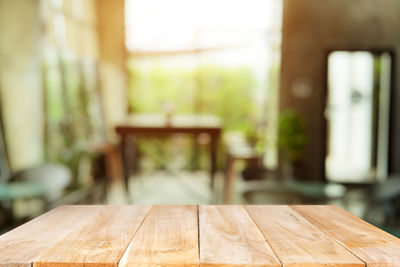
(101, 241)
(296, 241)
(21, 246)
(167, 237)
(372, 245)
(229, 237)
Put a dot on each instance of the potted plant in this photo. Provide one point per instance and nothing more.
(292, 140)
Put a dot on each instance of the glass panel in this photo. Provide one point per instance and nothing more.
(349, 115)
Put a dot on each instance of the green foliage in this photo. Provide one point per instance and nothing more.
(292, 138)
(70, 126)
(225, 92)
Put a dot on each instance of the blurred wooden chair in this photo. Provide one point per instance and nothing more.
(45, 183)
(52, 177)
(237, 149)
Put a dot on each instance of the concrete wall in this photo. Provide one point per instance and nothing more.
(20, 81)
(310, 29)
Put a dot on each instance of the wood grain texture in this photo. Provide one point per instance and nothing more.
(372, 245)
(297, 242)
(21, 246)
(229, 237)
(100, 241)
(167, 237)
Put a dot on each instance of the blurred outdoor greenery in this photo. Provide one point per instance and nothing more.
(73, 118)
(292, 135)
(209, 89)
(227, 92)
(70, 93)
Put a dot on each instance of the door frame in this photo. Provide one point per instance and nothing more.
(324, 122)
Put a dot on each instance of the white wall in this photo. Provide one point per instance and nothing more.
(20, 81)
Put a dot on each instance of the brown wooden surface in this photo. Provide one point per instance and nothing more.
(168, 237)
(237, 149)
(229, 237)
(296, 241)
(374, 246)
(101, 240)
(290, 236)
(21, 246)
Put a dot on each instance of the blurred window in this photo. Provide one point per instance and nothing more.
(73, 114)
(358, 116)
(207, 56)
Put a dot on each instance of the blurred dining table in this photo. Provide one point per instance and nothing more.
(153, 125)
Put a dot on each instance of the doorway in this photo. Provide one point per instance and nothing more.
(357, 116)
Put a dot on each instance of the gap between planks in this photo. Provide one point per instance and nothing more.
(97, 242)
(127, 246)
(293, 208)
(52, 229)
(121, 264)
(259, 230)
(355, 234)
(199, 238)
(266, 240)
(229, 237)
(291, 234)
(337, 241)
(198, 233)
(257, 227)
(168, 237)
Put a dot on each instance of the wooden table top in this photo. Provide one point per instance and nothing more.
(198, 236)
(177, 123)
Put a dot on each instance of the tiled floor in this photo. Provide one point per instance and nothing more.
(184, 187)
(164, 187)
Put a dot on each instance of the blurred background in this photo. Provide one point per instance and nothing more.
(200, 102)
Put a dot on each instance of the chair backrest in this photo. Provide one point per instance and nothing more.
(54, 177)
(4, 167)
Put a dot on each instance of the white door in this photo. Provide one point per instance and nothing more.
(357, 116)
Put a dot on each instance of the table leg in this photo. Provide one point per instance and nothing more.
(194, 162)
(213, 158)
(125, 163)
(229, 179)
